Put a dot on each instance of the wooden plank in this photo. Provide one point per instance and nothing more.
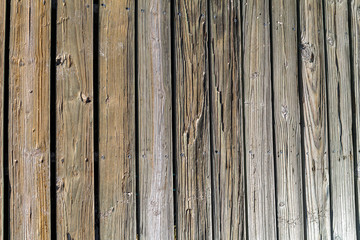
(155, 121)
(194, 219)
(340, 120)
(258, 121)
(315, 120)
(29, 124)
(289, 169)
(354, 12)
(117, 120)
(227, 121)
(74, 120)
(2, 99)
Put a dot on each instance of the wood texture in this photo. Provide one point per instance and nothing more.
(258, 121)
(315, 120)
(29, 110)
(155, 121)
(194, 219)
(340, 120)
(227, 121)
(74, 120)
(2, 79)
(289, 169)
(354, 12)
(117, 120)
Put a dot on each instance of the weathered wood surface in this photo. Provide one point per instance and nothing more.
(117, 120)
(354, 12)
(287, 129)
(227, 121)
(29, 135)
(74, 120)
(155, 120)
(258, 121)
(194, 213)
(29, 132)
(2, 80)
(315, 132)
(340, 120)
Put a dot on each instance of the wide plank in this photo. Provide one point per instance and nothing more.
(258, 121)
(29, 124)
(289, 167)
(314, 108)
(155, 120)
(227, 120)
(74, 120)
(193, 158)
(117, 120)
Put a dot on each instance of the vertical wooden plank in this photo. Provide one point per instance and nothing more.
(2, 79)
(29, 110)
(258, 121)
(194, 220)
(355, 50)
(287, 121)
(74, 121)
(155, 121)
(315, 120)
(227, 121)
(340, 120)
(117, 120)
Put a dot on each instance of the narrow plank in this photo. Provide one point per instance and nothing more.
(313, 79)
(117, 120)
(194, 219)
(340, 120)
(227, 121)
(258, 121)
(287, 121)
(2, 74)
(155, 120)
(354, 12)
(74, 120)
(29, 111)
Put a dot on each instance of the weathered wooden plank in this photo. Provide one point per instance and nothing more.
(258, 121)
(194, 220)
(354, 12)
(29, 111)
(74, 120)
(2, 75)
(155, 121)
(340, 120)
(315, 120)
(287, 121)
(117, 120)
(227, 121)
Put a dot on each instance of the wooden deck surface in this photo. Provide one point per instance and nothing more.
(181, 119)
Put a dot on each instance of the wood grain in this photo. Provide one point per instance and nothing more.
(354, 12)
(74, 120)
(227, 121)
(155, 121)
(29, 110)
(289, 169)
(117, 120)
(340, 120)
(194, 219)
(2, 99)
(315, 132)
(258, 121)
